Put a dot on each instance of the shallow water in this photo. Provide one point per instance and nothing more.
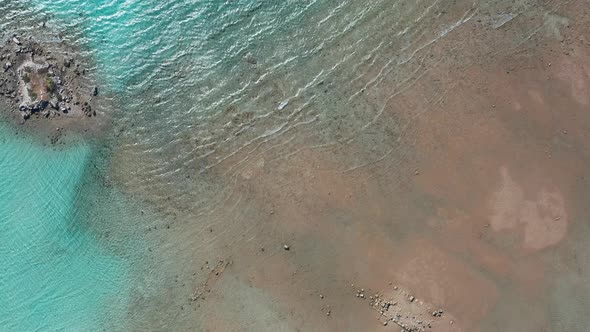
(55, 274)
(205, 96)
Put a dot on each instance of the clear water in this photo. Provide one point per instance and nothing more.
(200, 88)
(55, 273)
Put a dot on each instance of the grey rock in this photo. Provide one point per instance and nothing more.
(53, 103)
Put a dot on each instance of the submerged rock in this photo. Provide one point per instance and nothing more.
(283, 104)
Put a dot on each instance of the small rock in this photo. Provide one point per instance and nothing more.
(95, 91)
(321, 296)
(16, 41)
(412, 299)
(54, 103)
(8, 65)
(286, 247)
(283, 104)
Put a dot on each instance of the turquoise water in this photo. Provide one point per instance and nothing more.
(55, 275)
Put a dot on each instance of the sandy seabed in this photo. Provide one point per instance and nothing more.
(474, 220)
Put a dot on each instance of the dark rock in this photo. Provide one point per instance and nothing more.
(95, 91)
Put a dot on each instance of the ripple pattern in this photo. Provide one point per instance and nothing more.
(55, 276)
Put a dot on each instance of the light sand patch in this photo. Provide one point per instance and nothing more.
(536, 96)
(444, 280)
(238, 306)
(507, 203)
(578, 77)
(544, 218)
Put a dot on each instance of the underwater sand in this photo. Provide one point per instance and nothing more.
(433, 149)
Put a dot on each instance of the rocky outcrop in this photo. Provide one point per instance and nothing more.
(41, 84)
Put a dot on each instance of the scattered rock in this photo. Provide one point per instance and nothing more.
(437, 313)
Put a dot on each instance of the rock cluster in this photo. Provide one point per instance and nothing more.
(40, 83)
(402, 309)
